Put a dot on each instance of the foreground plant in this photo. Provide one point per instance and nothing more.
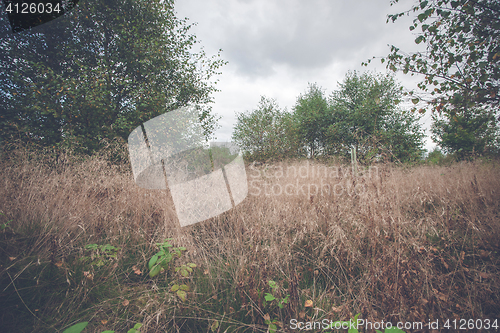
(160, 261)
(270, 297)
(77, 328)
(100, 254)
(4, 225)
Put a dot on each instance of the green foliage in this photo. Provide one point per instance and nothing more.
(160, 261)
(271, 297)
(271, 325)
(221, 156)
(77, 328)
(100, 254)
(135, 329)
(4, 225)
(101, 71)
(467, 133)
(162, 258)
(312, 116)
(185, 270)
(463, 51)
(267, 132)
(214, 326)
(365, 115)
(180, 290)
(435, 157)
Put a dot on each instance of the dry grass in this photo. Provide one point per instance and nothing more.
(398, 244)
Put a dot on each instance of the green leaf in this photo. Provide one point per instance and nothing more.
(415, 100)
(77, 328)
(214, 326)
(174, 288)
(108, 332)
(182, 295)
(107, 247)
(272, 328)
(191, 265)
(163, 262)
(419, 39)
(155, 271)
(269, 297)
(152, 261)
(184, 287)
(168, 257)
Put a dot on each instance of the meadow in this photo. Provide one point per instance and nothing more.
(80, 242)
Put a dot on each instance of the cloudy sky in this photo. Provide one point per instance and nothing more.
(274, 48)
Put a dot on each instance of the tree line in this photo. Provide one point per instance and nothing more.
(100, 71)
(460, 85)
(364, 114)
(106, 67)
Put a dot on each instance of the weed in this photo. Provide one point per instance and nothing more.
(272, 324)
(160, 261)
(4, 225)
(79, 327)
(100, 254)
(162, 258)
(270, 297)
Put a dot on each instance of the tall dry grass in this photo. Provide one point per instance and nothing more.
(393, 243)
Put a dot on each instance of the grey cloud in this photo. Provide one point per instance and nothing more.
(257, 35)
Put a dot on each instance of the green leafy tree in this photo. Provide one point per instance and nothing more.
(312, 117)
(462, 54)
(266, 132)
(101, 71)
(436, 156)
(366, 116)
(467, 133)
(403, 137)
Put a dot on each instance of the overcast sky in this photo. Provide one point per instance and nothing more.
(275, 48)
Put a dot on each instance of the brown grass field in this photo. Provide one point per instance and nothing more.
(400, 244)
